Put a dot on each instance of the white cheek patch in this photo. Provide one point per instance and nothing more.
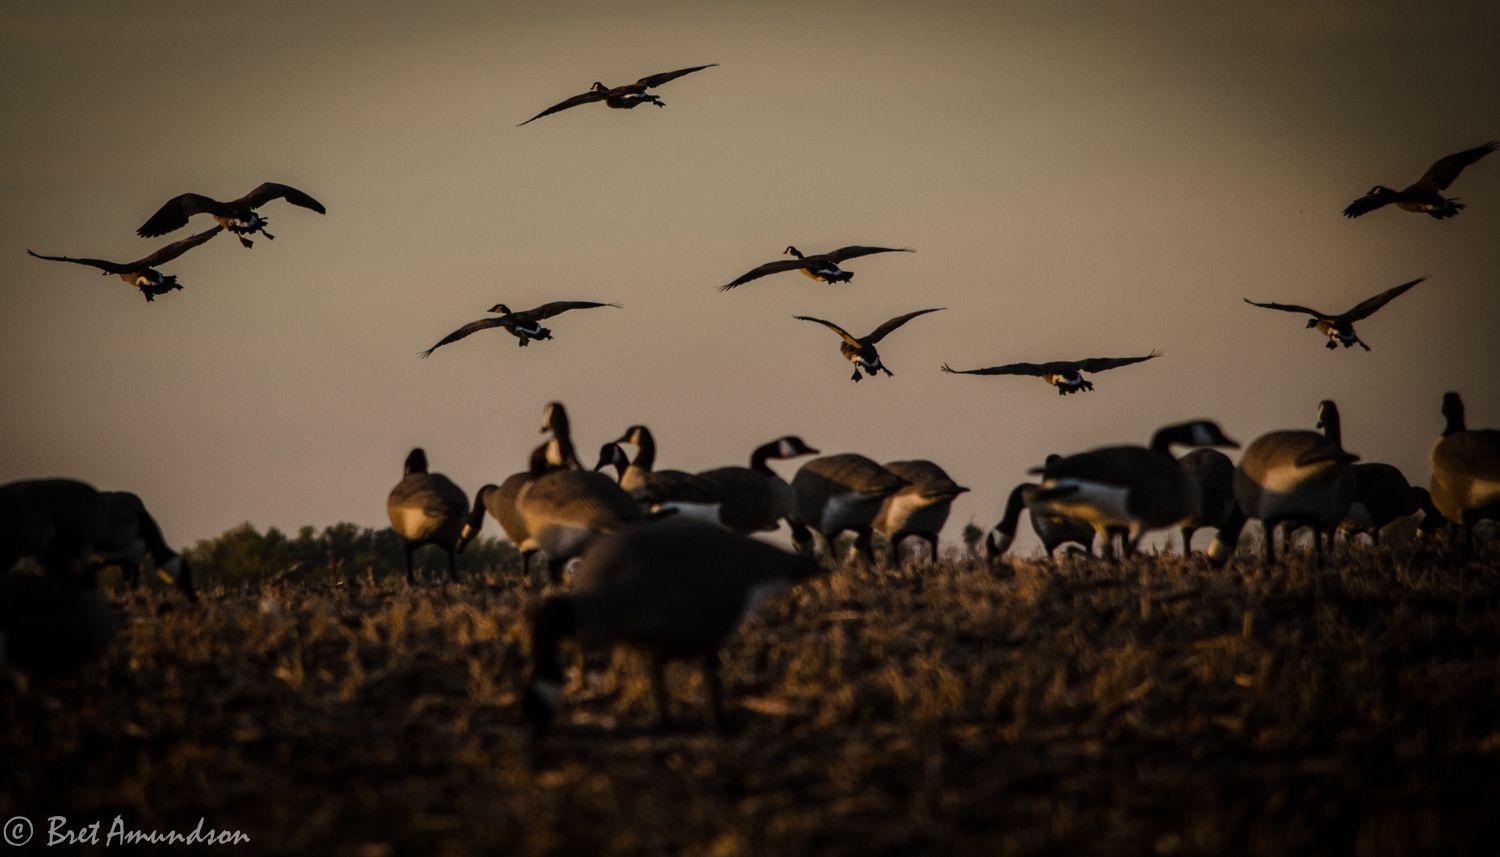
(784, 449)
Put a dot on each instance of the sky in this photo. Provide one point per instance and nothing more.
(1077, 179)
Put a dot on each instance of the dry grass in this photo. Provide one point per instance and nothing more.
(1156, 707)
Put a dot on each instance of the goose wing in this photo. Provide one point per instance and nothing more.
(1368, 306)
(1099, 364)
(271, 190)
(101, 264)
(855, 251)
(1034, 369)
(558, 307)
(584, 98)
(770, 268)
(175, 214)
(652, 80)
(1286, 308)
(831, 326)
(1444, 170)
(471, 327)
(176, 248)
(1365, 205)
(884, 330)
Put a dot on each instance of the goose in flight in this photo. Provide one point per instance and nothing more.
(621, 97)
(1424, 196)
(1340, 328)
(1065, 375)
(823, 267)
(525, 325)
(237, 215)
(142, 273)
(860, 350)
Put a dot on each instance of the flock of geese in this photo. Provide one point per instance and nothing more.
(664, 558)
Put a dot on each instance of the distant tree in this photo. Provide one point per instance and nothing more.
(972, 536)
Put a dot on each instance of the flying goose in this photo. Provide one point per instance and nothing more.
(563, 510)
(142, 273)
(559, 449)
(1213, 473)
(673, 590)
(1465, 463)
(861, 350)
(835, 493)
(1288, 476)
(1381, 492)
(1054, 530)
(1130, 488)
(1424, 195)
(1340, 328)
(756, 498)
(691, 496)
(1065, 375)
(72, 530)
(918, 509)
(426, 509)
(823, 267)
(50, 626)
(237, 215)
(623, 97)
(524, 326)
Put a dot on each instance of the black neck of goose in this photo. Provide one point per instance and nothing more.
(1333, 429)
(162, 553)
(538, 464)
(557, 421)
(556, 620)
(416, 462)
(475, 522)
(1453, 415)
(1164, 438)
(616, 460)
(762, 454)
(1013, 506)
(645, 456)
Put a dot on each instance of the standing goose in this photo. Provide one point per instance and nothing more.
(500, 500)
(756, 498)
(1289, 476)
(524, 326)
(142, 273)
(1465, 463)
(837, 493)
(563, 510)
(559, 451)
(426, 509)
(1131, 488)
(1381, 492)
(1065, 375)
(237, 215)
(1213, 473)
(823, 267)
(691, 496)
(624, 97)
(1340, 328)
(1054, 530)
(673, 590)
(920, 508)
(861, 350)
(1424, 196)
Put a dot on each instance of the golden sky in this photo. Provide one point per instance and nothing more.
(1078, 180)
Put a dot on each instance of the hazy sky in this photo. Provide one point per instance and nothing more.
(1078, 180)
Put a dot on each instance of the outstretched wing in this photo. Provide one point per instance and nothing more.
(1368, 306)
(882, 331)
(1365, 205)
(111, 267)
(856, 251)
(1444, 170)
(471, 327)
(176, 248)
(768, 268)
(586, 98)
(658, 79)
(831, 326)
(1099, 364)
(174, 215)
(1286, 308)
(1034, 369)
(557, 307)
(271, 190)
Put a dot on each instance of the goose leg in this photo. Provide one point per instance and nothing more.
(269, 236)
(1270, 528)
(452, 564)
(1362, 344)
(1331, 345)
(715, 690)
(856, 376)
(863, 547)
(1187, 541)
(888, 372)
(407, 550)
(245, 241)
(659, 690)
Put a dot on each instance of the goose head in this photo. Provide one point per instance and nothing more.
(792, 251)
(792, 446)
(636, 435)
(1191, 433)
(598, 87)
(555, 419)
(501, 309)
(1312, 323)
(1453, 413)
(611, 455)
(416, 462)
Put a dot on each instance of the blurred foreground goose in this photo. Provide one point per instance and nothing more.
(1424, 196)
(426, 509)
(861, 350)
(837, 493)
(691, 496)
(72, 530)
(559, 450)
(1293, 477)
(756, 498)
(237, 215)
(563, 510)
(524, 326)
(1340, 328)
(1381, 492)
(1213, 473)
(1465, 470)
(673, 590)
(142, 273)
(918, 509)
(1054, 530)
(1065, 375)
(51, 626)
(1131, 488)
(621, 97)
(823, 267)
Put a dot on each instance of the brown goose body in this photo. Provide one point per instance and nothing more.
(564, 510)
(1053, 530)
(690, 495)
(426, 509)
(840, 492)
(50, 627)
(1424, 196)
(239, 216)
(1213, 473)
(921, 507)
(1465, 462)
(1291, 476)
(143, 273)
(756, 498)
